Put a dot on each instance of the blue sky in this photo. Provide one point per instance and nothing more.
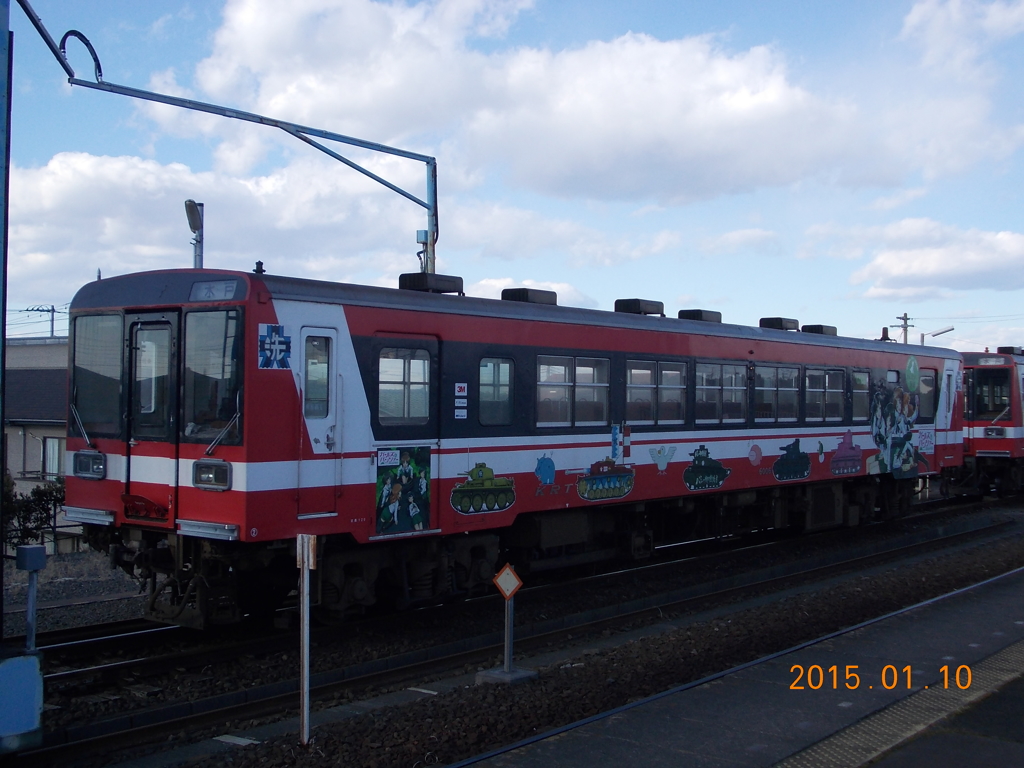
(839, 163)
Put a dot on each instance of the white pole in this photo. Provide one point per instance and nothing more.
(305, 553)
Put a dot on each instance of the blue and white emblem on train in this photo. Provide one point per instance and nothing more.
(275, 346)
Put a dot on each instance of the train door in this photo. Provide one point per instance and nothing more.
(319, 471)
(151, 476)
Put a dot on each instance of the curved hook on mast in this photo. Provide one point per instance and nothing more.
(92, 51)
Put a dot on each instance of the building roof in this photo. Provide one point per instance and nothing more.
(36, 395)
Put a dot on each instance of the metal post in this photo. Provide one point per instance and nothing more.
(428, 256)
(509, 620)
(6, 62)
(197, 252)
(30, 611)
(305, 550)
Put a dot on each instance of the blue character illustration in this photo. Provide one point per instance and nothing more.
(545, 470)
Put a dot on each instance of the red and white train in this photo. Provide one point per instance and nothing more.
(994, 420)
(426, 437)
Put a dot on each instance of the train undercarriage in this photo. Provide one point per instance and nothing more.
(201, 583)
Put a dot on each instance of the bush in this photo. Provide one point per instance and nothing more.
(26, 517)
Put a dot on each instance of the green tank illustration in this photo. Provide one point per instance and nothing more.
(704, 473)
(483, 492)
(793, 464)
(606, 480)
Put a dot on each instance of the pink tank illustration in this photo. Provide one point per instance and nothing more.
(847, 457)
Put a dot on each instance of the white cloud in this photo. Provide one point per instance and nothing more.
(915, 259)
(738, 240)
(954, 35)
(496, 231)
(568, 294)
(900, 198)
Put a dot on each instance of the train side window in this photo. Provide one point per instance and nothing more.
(641, 392)
(789, 394)
(734, 394)
(404, 386)
(926, 389)
(861, 389)
(316, 395)
(709, 393)
(835, 390)
(823, 396)
(766, 396)
(591, 398)
(671, 393)
(496, 375)
(554, 391)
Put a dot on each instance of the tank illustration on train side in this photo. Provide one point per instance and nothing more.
(606, 480)
(704, 473)
(847, 458)
(483, 492)
(793, 464)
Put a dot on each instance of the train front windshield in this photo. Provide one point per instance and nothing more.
(107, 383)
(991, 394)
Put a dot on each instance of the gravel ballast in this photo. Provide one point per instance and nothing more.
(475, 719)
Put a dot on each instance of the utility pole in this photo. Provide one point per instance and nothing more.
(904, 325)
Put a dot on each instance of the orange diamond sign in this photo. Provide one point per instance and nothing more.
(507, 582)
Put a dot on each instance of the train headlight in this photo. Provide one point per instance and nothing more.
(211, 474)
(90, 465)
(995, 432)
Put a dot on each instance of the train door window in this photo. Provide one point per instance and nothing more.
(316, 395)
(926, 391)
(734, 394)
(671, 393)
(789, 394)
(403, 386)
(765, 394)
(591, 398)
(861, 388)
(709, 393)
(641, 392)
(554, 391)
(992, 394)
(496, 376)
(151, 404)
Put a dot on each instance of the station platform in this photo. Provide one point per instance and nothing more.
(754, 716)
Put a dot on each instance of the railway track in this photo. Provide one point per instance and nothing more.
(156, 722)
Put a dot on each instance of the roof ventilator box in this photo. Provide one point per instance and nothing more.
(1010, 350)
(824, 330)
(529, 295)
(640, 306)
(430, 282)
(701, 315)
(780, 323)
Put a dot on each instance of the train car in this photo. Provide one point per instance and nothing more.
(425, 436)
(994, 420)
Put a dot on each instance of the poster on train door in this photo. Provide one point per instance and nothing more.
(403, 490)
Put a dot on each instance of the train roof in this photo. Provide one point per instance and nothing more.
(172, 287)
(1002, 357)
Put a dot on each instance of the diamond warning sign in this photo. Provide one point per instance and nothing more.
(507, 582)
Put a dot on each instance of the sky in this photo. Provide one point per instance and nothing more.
(839, 163)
